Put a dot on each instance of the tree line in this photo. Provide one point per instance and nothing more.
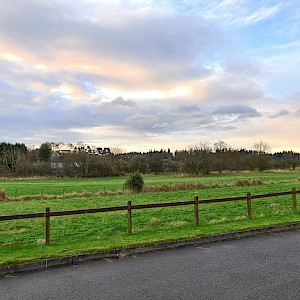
(16, 160)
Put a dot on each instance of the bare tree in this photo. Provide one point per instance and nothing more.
(262, 147)
(221, 154)
(262, 158)
(198, 159)
(221, 146)
(117, 150)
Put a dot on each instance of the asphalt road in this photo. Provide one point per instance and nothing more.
(263, 267)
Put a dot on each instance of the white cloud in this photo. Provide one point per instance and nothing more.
(259, 15)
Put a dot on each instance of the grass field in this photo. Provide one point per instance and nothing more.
(60, 186)
(23, 240)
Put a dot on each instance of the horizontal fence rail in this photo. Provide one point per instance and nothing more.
(129, 207)
(18, 217)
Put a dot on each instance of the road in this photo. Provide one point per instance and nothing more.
(262, 267)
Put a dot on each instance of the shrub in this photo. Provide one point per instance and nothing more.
(135, 182)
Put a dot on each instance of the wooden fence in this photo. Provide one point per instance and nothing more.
(129, 207)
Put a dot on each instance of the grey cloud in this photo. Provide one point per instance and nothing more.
(218, 127)
(160, 125)
(119, 105)
(109, 109)
(145, 122)
(167, 47)
(13, 97)
(61, 115)
(225, 128)
(189, 117)
(17, 81)
(192, 122)
(122, 102)
(57, 113)
(281, 113)
(233, 89)
(239, 110)
(297, 113)
(34, 26)
(150, 119)
(155, 120)
(189, 108)
(158, 38)
(172, 46)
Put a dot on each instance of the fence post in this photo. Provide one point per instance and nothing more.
(249, 205)
(47, 225)
(294, 201)
(196, 211)
(129, 216)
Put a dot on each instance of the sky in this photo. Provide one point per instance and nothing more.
(139, 75)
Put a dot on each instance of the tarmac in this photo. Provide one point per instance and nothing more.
(89, 257)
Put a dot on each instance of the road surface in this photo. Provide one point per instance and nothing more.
(262, 267)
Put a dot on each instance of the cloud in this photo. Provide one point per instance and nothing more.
(242, 12)
(122, 102)
(262, 14)
(160, 125)
(189, 108)
(169, 46)
(282, 112)
(161, 70)
(236, 112)
(297, 113)
(228, 88)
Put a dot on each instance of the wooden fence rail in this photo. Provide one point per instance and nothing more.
(129, 207)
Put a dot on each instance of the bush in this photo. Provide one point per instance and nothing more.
(135, 182)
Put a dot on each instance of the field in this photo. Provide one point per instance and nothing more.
(62, 186)
(23, 240)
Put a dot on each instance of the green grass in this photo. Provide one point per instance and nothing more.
(59, 186)
(23, 240)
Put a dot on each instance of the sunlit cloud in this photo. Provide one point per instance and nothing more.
(150, 73)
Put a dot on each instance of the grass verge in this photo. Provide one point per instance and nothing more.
(30, 253)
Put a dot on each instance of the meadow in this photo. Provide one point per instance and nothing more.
(23, 240)
(62, 186)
